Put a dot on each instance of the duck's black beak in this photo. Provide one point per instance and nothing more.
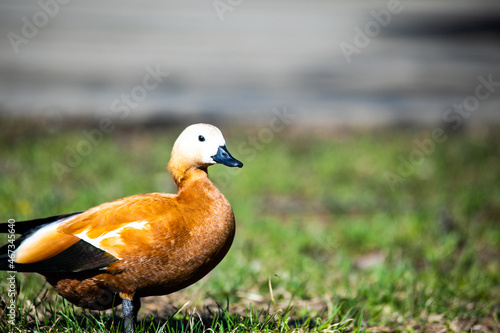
(225, 158)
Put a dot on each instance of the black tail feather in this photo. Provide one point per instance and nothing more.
(22, 227)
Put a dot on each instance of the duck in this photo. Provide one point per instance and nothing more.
(138, 246)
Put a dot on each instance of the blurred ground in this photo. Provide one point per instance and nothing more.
(327, 62)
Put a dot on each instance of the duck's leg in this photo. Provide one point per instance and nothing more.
(130, 308)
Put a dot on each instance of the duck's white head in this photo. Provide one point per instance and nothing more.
(202, 145)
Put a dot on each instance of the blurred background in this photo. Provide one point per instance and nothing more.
(330, 62)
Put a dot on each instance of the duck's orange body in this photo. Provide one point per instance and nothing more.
(143, 245)
(179, 243)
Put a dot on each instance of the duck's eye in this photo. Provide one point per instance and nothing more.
(201, 138)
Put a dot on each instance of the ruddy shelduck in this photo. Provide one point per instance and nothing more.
(142, 245)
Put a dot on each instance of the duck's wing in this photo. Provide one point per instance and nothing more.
(89, 240)
(41, 248)
(122, 225)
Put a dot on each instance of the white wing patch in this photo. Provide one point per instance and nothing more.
(112, 234)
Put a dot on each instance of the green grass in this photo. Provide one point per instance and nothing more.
(324, 243)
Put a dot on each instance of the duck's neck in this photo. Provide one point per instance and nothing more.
(184, 174)
(181, 172)
(191, 177)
